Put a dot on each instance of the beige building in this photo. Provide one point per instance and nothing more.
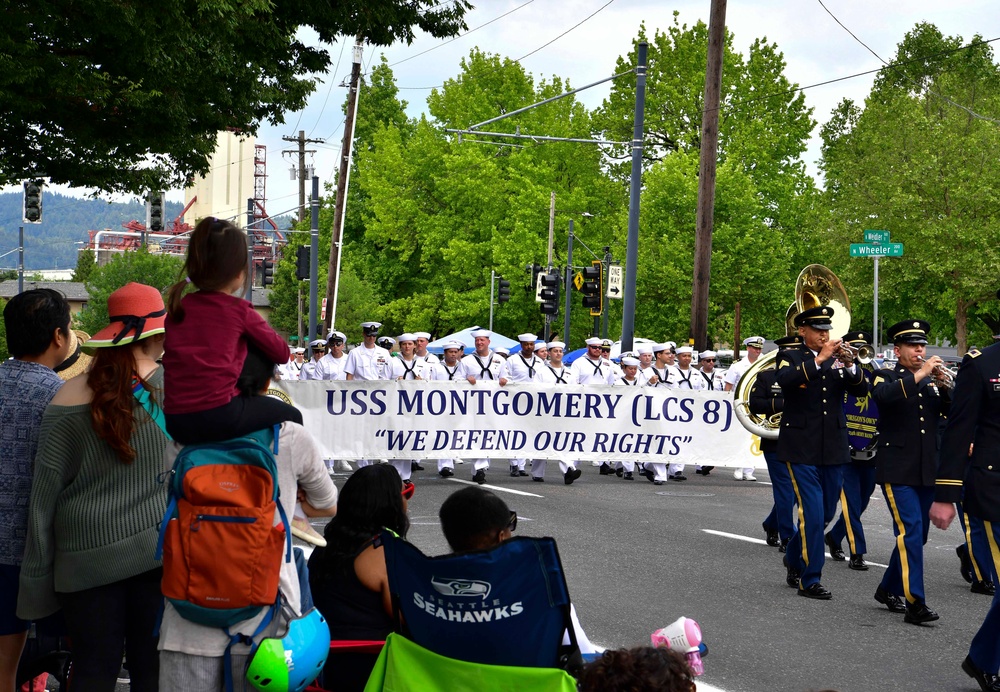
(224, 191)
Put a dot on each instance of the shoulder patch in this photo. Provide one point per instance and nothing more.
(878, 379)
(783, 363)
(974, 353)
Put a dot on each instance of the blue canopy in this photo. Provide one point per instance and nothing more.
(465, 336)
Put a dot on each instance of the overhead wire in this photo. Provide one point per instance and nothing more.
(329, 89)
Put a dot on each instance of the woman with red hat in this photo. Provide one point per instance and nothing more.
(96, 502)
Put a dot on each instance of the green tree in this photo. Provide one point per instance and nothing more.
(84, 107)
(86, 263)
(159, 271)
(914, 160)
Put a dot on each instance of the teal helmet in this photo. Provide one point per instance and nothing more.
(292, 662)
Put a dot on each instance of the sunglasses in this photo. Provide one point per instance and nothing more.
(597, 347)
(512, 522)
(708, 360)
(606, 350)
(408, 490)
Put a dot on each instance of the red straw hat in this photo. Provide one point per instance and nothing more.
(135, 312)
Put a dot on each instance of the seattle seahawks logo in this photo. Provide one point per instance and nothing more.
(462, 587)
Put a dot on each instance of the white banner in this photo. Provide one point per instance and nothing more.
(431, 420)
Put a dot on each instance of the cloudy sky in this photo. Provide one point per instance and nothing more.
(815, 47)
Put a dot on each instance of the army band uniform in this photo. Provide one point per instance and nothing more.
(909, 406)
(857, 489)
(766, 399)
(970, 464)
(813, 439)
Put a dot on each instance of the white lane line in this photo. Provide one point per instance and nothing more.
(761, 541)
(495, 487)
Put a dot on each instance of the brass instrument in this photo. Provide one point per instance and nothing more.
(944, 375)
(863, 354)
(816, 286)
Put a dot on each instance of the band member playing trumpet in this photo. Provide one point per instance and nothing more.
(909, 406)
(813, 439)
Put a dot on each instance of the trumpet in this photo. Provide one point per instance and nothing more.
(944, 375)
(863, 354)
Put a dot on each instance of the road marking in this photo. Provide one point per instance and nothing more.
(761, 541)
(495, 487)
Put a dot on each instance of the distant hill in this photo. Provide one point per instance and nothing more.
(66, 220)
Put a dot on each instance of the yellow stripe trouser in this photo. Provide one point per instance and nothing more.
(802, 516)
(900, 545)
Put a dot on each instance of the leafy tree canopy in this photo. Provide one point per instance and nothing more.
(159, 271)
(128, 97)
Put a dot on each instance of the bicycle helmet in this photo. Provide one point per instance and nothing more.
(292, 662)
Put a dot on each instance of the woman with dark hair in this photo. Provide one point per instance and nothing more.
(348, 578)
(96, 501)
(642, 669)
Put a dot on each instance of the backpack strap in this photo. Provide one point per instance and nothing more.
(239, 638)
(145, 400)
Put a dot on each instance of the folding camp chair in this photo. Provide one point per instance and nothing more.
(506, 606)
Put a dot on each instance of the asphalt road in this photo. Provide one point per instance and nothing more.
(638, 556)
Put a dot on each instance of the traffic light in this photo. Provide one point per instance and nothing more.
(503, 290)
(154, 208)
(535, 270)
(267, 272)
(593, 287)
(302, 262)
(549, 293)
(33, 201)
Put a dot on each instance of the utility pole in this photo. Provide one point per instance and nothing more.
(343, 177)
(20, 260)
(605, 303)
(706, 176)
(569, 282)
(302, 151)
(635, 187)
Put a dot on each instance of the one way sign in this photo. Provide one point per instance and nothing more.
(616, 285)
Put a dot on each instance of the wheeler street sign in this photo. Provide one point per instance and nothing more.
(876, 249)
(876, 237)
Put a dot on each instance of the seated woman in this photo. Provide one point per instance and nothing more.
(348, 577)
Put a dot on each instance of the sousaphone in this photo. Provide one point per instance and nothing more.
(816, 286)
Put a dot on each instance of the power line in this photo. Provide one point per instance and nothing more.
(329, 89)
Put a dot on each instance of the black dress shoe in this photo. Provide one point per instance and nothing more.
(650, 476)
(705, 470)
(965, 565)
(538, 479)
(678, 477)
(890, 600)
(628, 476)
(657, 482)
(858, 562)
(571, 475)
(479, 476)
(919, 613)
(836, 552)
(415, 466)
(522, 473)
(984, 587)
(620, 471)
(446, 472)
(606, 470)
(792, 577)
(783, 546)
(772, 535)
(816, 591)
(513, 472)
(988, 682)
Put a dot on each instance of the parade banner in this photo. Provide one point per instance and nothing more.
(432, 420)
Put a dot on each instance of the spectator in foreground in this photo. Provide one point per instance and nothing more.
(642, 669)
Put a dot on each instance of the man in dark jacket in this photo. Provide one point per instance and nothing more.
(813, 438)
(910, 406)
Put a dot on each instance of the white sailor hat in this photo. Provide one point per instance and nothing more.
(628, 360)
(371, 325)
(405, 337)
(540, 344)
(299, 350)
(644, 348)
(666, 346)
(755, 341)
(454, 344)
(482, 332)
(316, 343)
(422, 335)
(336, 336)
(684, 349)
(527, 337)
(557, 344)
(593, 341)
(502, 351)
(707, 354)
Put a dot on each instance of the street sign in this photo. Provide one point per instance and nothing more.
(616, 286)
(876, 237)
(578, 281)
(876, 250)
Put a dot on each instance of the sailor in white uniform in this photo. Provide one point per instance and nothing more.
(683, 376)
(368, 362)
(630, 378)
(291, 369)
(645, 355)
(482, 366)
(448, 370)
(331, 366)
(521, 367)
(542, 350)
(310, 370)
(594, 369)
(754, 344)
(663, 365)
(406, 366)
(556, 374)
(713, 377)
(424, 338)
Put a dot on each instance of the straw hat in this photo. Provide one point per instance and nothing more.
(77, 362)
(136, 311)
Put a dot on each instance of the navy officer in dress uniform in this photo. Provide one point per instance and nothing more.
(970, 461)
(813, 438)
(909, 406)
